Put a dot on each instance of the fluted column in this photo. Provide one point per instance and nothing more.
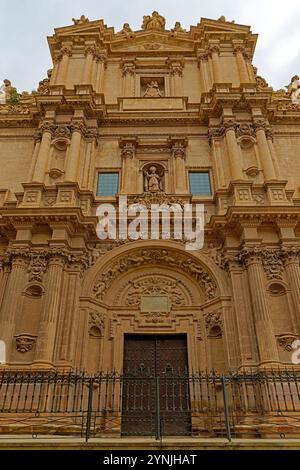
(63, 65)
(234, 152)
(264, 151)
(204, 71)
(42, 158)
(263, 324)
(73, 159)
(269, 137)
(176, 72)
(292, 268)
(179, 154)
(69, 314)
(242, 67)
(242, 305)
(87, 71)
(100, 68)
(48, 324)
(12, 301)
(128, 73)
(128, 170)
(216, 66)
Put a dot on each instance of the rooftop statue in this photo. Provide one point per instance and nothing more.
(8, 93)
(178, 28)
(127, 30)
(83, 19)
(294, 90)
(156, 21)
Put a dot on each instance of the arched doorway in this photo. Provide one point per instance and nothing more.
(155, 308)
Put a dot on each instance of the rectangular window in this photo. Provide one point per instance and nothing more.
(107, 184)
(200, 183)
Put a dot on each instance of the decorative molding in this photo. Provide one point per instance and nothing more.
(156, 257)
(25, 343)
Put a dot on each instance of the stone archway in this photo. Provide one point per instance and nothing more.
(186, 288)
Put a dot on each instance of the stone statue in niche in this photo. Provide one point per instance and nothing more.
(294, 90)
(155, 21)
(153, 90)
(152, 181)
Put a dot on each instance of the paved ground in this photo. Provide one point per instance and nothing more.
(10, 442)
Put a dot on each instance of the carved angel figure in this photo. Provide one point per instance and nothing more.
(294, 90)
(155, 21)
(152, 182)
(153, 90)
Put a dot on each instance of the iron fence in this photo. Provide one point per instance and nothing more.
(261, 404)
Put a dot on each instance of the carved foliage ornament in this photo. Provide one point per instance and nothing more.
(154, 286)
(156, 257)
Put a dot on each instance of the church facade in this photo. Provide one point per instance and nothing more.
(160, 116)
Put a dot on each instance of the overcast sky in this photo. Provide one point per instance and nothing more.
(25, 24)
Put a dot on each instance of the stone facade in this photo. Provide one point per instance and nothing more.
(125, 102)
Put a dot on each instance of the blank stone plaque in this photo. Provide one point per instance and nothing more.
(155, 303)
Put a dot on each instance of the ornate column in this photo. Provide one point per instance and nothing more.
(37, 138)
(72, 164)
(234, 151)
(264, 329)
(176, 72)
(239, 52)
(242, 307)
(87, 71)
(12, 300)
(62, 70)
(128, 74)
(269, 137)
(215, 139)
(128, 183)
(264, 151)
(100, 59)
(49, 317)
(69, 312)
(43, 152)
(214, 52)
(88, 169)
(204, 71)
(179, 154)
(291, 256)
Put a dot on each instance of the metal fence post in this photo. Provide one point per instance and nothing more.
(157, 411)
(89, 410)
(226, 413)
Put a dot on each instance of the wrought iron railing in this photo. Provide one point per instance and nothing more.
(261, 404)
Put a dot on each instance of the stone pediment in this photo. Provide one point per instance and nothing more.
(162, 41)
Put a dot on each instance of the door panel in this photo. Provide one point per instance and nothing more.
(155, 378)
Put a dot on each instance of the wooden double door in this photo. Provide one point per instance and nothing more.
(155, 393)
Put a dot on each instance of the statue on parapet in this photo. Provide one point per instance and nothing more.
(293, 90)
(178, 28)
(155, 21)
(82, 20)
(8, 93)
(127, 30)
